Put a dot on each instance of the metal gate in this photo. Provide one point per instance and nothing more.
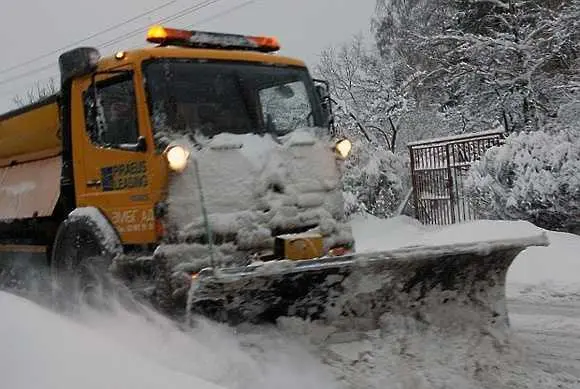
(438, 168)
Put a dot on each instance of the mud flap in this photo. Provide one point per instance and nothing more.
(451, 287)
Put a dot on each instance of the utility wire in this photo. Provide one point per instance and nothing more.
(177, 15)
(94, 35)
(28, 73)
(223, 13)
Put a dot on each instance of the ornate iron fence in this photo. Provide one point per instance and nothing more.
(438, 169)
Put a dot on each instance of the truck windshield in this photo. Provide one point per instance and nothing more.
(209, 98)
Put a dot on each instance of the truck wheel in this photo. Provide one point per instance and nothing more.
(81, 256)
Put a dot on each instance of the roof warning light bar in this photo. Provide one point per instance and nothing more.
(211, 40)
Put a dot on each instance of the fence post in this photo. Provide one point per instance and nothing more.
(414, 184)
(450, 186)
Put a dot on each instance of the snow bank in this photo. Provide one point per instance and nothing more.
(43, 350)
(377, 234)
(372, 233)
(537, 273)
(547, 273)
(559, 262)
(140, 349)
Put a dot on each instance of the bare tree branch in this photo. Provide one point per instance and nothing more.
(37, 93)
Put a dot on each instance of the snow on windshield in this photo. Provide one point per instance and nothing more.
(228, 97)
(286, 107)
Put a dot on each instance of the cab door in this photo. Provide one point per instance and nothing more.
(111, 156)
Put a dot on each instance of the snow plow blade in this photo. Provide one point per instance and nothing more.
(449, 286)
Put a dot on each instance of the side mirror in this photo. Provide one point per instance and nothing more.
(322, 90)
(78, 62)
(322, 93)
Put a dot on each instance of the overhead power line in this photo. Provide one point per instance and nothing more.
(28, 73)
(94, 35)
(223, 13)
(179, 16)
(175, 16)
(184, 12)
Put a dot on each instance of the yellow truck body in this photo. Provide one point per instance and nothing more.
(137, 180)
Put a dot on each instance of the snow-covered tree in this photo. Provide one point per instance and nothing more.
(375, 180)
(369, 107)
(534, 176)
(375, 110)
(485, 61)
(442, 67)
(368, 101)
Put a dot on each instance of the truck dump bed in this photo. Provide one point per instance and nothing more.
(30, 133)
(30, 162)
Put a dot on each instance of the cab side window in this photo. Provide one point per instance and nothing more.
(111, 112)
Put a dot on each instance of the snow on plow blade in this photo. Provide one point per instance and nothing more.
(449, 286)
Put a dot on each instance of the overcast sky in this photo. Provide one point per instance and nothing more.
(33, 28)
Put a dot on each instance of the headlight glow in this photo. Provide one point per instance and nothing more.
(343, 148)
(177, 158)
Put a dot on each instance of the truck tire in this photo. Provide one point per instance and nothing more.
(83, 251)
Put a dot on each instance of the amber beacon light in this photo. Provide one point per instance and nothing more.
(202, 39)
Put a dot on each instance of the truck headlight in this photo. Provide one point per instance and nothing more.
(177, 158)
(343, 148)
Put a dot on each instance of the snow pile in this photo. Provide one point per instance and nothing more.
(140, 349)
(44, 350)
(136, 348)
(430, 360)
(537, 273)
(372, 233)
(547, 273)
(375, 234)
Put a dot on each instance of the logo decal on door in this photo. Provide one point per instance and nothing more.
(125, 176)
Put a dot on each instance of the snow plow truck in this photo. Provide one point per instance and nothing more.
(201, 172)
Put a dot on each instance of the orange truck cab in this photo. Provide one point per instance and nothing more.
(89, 172)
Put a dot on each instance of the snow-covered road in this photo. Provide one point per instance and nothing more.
(128, 349)
(542, 352)
(551, 332)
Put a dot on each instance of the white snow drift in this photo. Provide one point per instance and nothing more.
(123, 349)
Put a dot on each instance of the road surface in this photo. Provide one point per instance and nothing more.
(551, 332)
